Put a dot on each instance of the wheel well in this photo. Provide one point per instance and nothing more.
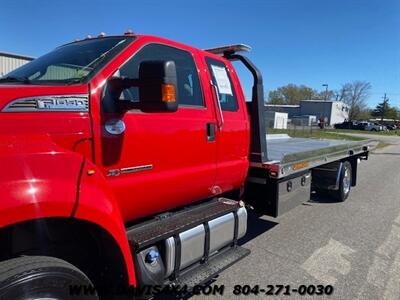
(83, 244)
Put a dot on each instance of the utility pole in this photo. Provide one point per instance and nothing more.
(384, 106)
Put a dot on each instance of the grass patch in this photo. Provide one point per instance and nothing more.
(389, 132)
(315, 134)
(382, 145)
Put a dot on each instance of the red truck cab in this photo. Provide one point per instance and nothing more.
(89, 155)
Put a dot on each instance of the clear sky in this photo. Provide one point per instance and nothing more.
(309, 42)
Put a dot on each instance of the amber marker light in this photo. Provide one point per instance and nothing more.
(300, 165)
(168, 93)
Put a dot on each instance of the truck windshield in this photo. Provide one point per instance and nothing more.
(71, 63)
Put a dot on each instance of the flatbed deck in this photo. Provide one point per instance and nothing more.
(287, 155)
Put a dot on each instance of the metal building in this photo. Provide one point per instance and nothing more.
(11, 61)
(334, 111)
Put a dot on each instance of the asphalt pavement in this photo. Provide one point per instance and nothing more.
(353, 246)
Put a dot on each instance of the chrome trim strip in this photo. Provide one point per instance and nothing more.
(136, 169)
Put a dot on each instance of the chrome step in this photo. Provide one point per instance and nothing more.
(166, 225)
(215, 265)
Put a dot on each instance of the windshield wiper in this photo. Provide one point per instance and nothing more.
(97, 61)
(74, 80)
(93, 64)
(15, 79)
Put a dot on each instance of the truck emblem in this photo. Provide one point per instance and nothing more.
(62, 104)
(72, 103)
(115, 126)
(117, 172)
(114, 172)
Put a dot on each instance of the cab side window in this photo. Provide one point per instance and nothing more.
(223, 82)
(188, 84)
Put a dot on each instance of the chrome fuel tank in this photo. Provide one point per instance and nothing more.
(221, 234)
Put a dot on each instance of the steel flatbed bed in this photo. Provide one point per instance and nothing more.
(287, 155)
(285, 171)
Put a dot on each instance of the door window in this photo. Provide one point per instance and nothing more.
(188, 84)
(223, 82)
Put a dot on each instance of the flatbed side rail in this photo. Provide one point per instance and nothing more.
(299, 162)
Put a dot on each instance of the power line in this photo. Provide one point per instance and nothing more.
(380, 93)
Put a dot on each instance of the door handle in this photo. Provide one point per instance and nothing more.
(210, 128)
(215, 88)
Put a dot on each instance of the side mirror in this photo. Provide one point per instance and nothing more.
(157, 86)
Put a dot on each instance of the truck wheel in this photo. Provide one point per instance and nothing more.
(42, 277)
(344, 183)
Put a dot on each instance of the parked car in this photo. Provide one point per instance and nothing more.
(391, 127)
(347, 125)
(368, 126)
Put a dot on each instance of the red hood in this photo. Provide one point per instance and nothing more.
(9, 92)
(63, 128)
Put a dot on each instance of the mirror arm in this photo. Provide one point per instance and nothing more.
(124, 83)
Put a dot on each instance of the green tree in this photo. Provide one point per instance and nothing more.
(291, 94)
(364, 114)
(393, 113)
(381, 109)
(385, 111)
(325, 95)
(355, 95)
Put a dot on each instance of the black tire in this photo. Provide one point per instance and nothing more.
(373, 129)
(35, 277)
(344, 183)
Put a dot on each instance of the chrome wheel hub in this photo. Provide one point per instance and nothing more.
(346, 181)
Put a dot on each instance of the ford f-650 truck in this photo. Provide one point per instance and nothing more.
(126, 162)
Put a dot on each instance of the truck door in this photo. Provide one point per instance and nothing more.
(161, 160)
(233, 126)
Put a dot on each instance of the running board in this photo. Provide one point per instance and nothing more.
(166, 225)
(211, 268)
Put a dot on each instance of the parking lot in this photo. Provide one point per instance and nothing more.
(354, 246)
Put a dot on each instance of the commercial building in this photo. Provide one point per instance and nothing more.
(11, 61)
(333, 111)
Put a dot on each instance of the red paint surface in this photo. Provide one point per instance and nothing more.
(41, 155)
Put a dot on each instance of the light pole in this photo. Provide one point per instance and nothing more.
(326, 98)
(326, 91)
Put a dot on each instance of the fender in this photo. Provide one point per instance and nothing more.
(96, 203)
(40, 179)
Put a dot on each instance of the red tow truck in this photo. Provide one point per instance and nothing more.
(125, 160)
